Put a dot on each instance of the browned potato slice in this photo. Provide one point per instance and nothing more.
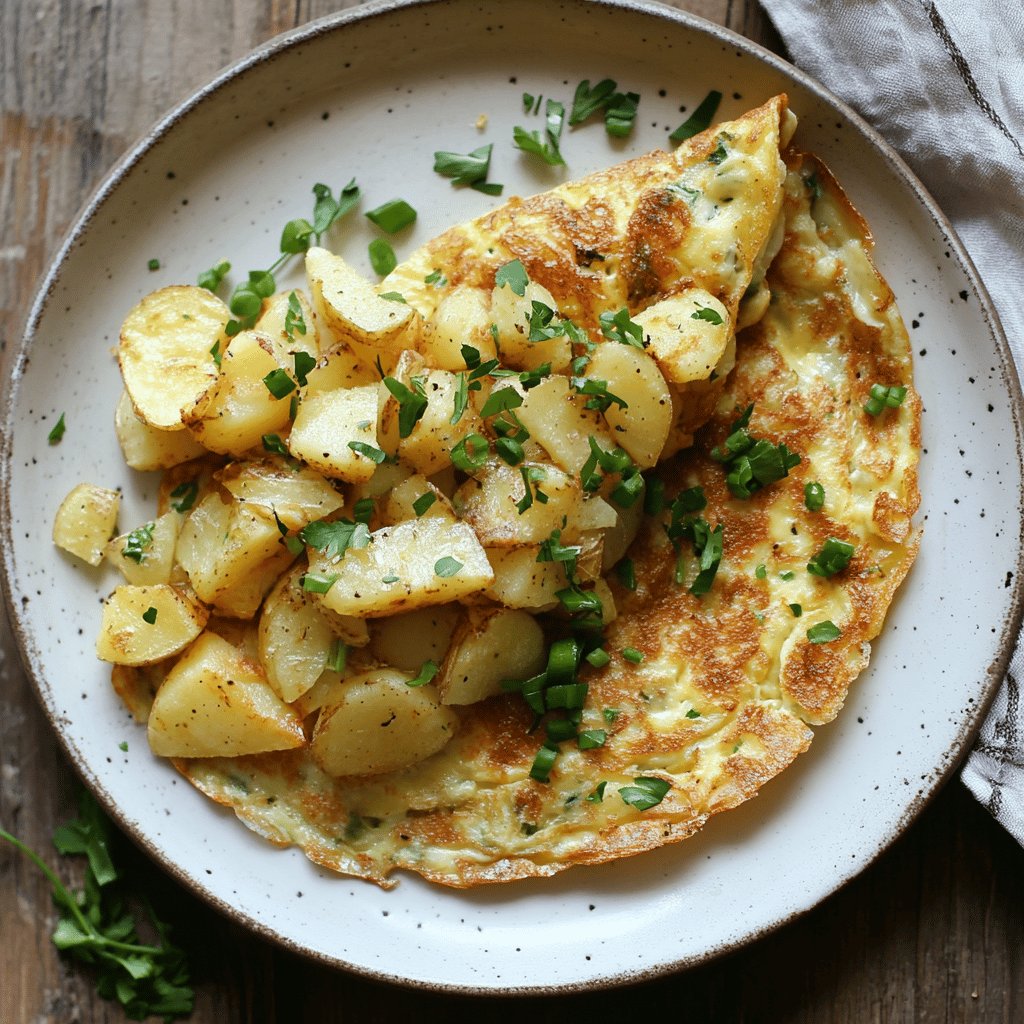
(622, 534)
(136, 685)
(435, 562)
(406, 641)
(164, 351)
(463, 317)
(352, 310)
(273, 325)
(686, 346)
(379, 724)
(490, 645)
(642, 427)
(326, 424)
(85, 520)
(144, 447)
(146, 624)
(234, 413)
(150, 551)
(428, 448)
(217, 703)
(243, 598)
(221, 543)
(398, 505)
(510, 313)
(520, 581)
(298, 495)
(488, 502)
(295, 639)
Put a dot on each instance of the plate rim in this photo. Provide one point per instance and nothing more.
(338, 21)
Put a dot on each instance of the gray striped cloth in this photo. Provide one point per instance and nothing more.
(943, 82)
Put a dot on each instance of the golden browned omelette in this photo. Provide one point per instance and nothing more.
(581, 635)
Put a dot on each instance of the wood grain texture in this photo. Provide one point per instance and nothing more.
(931, 933)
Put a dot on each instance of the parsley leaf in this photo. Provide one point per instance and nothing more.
(646, 792)
(621, 113)
(824, 632)
(587, 101)
(57, 433)
(618, 327)
(700, 119)
(468, 169)
(138, 542)
(427, 672)
(512, 274)
(334, 539)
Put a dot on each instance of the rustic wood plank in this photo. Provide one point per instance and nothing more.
(931, 933)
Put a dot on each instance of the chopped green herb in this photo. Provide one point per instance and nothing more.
(215, 354)
(761, 572)
(548, 147)
(57, 433)
(600, 397)
(211, 279)
(719, 154)
(528, 99)
(786, 575)
(654, 496)
(362, 511)
(813, 186)
(369, 451)
(304, 363)
(543, 763)
(646, 792)
(631, 654)
(272, 443)
(394, 297)
(700, 119)
(532, 475)
(447, 566)
(882, 397)
(824, 632)
(587, 101)
(337, 656)
(814, 496)
(834, 557)
(693, 713)
(470, 453)
(512, 274)
(138, 542)
(149, 615)
(709, 315)
(620, 328)
(621, 113)
(598, 795)
(279, 383)
(382, 256)
(186, 494)
(590, 739)
(468, 169)
(501, 401)
(390, 579)
(599, 657)
(436, 278)
(392, 216)
(797, 610)
(427, 672)
(610, 714)
(423, 503)
(294, 322)
(123, 745)
(318, 583)
(626, 571)
(153, 264)
(334, 539)
(412, 403)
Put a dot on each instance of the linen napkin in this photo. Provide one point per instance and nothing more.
(941, 80)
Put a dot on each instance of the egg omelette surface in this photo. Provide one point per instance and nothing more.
(730, 682)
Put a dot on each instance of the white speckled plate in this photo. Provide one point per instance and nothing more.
(373, 92)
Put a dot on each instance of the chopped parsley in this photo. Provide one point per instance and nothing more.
(279, 383)
(621, 113)
(587, 102)
(149, 615)
(470, 453)
(57, 433)
(412, 403)
(824, 632)
(646, 792)
(272, 443)
(138, 542)
(546, 147)
(318, 583)
(700, 120)
(426, 673)
(512, 274)
(368, 451)
(618, 327)
(334, 539)
(468, 169)
(186, 494)
(294, 322)
(153, 264)
(752, 464)
(212, 278)
(392, 216)
(423, 503)
(707, 314)
(447, 566)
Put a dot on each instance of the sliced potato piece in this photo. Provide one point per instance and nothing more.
(183, 487)
(510, 313)
(221, 543)
(435, 562)
(642, 426)
(463, 317)
(488, 502)
(149, 562)
(217, 703)
(325, 690)
(618, 539)
(491, 644)
(428, 447)
(243, 598)
(687, 334)
(278, 314)
(379, 724)
(136, 685)
(85, 520)
(339, 368)
(398, 505)
(326, 424)
(164, 351)
(406, 641)
(520, 581)
(234, 413)
(555, 417)
(353, 311)
(146, 624)
(298, 495)
(295, 639)
(145, 447)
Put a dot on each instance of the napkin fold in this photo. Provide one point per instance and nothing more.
(940, 80)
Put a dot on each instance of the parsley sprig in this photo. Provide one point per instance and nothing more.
(750, 463)
(97, 928)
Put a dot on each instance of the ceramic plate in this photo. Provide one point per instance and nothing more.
(372, 93)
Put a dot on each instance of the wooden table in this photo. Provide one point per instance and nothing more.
(932, 932)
